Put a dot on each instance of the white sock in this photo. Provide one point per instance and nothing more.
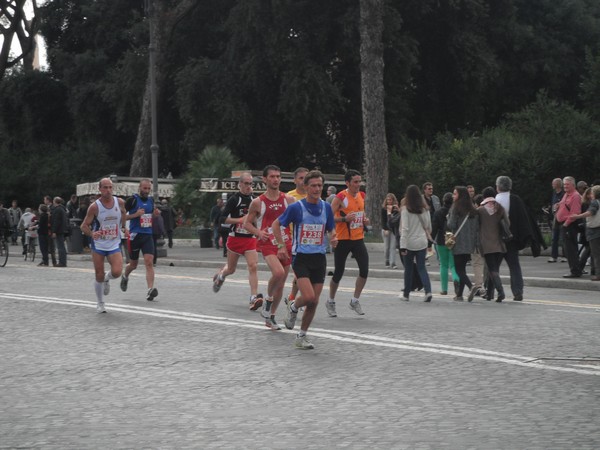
(301, 333)
(330, 300)
(354, 300)
(99, 288)
(108, 276)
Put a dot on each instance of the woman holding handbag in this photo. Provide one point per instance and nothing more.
(492, 221)
(415, 233)
(463, 222)
(445, 254)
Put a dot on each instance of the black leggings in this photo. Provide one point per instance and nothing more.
(359, 250)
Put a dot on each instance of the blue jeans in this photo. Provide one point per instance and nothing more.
(418, 257)
(389, 245)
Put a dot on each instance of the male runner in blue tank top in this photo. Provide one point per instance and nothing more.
(312, 218)
(140, 209)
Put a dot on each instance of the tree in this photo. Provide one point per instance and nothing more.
(14, 22)
(372, 98)
(165, 21)
(212, 162)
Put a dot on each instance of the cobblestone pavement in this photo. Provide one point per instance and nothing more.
(198, 370)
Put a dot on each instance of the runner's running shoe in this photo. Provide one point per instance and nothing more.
(217, 282)
(256, 302)
(152, 293)
(290, 317)
(330, 306)
(124, 282)
(270, 323)
(356, 308)
(303, 344)
(100, 307)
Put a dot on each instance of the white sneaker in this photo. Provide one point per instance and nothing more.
(100, 307)
(270, 323)
(302, 343)
(330, 306)
(290, 317)
(356, 308)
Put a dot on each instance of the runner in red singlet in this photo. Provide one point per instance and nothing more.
(262, 213)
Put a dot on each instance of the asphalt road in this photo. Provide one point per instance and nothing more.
(199, 370)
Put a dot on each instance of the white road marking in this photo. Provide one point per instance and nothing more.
(341, 336)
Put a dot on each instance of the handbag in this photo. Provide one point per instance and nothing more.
(505, 233)
(450, 238)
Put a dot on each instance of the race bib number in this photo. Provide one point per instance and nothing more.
(312, 234)
(284, 233)
(357, 222)
(109, 232)
(146, 221)
(239, 228)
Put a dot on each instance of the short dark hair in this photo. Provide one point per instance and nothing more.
(350, 173)
(488, 192)
(313, 174)
(270, 167)
(299, 170)
(447, 199)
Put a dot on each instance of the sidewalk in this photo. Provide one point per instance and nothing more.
(537, 272)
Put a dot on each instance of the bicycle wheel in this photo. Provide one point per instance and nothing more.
(3, 253)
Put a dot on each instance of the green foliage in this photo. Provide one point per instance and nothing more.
(590, 86)
(212, 162)
(547, 139)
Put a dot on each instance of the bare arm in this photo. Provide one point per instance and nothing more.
(92, 212)
(250, 220)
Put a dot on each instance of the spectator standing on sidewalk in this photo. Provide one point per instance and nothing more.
(387, 234)
(44, 233)
(15, 217)
(433, 203)
(60, 229)
(570, 206)
(215, 215)
(592, 229)
(557, 195)
(169, 219)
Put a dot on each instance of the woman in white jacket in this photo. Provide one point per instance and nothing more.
(415, 225)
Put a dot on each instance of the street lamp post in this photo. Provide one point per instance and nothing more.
(150, 10)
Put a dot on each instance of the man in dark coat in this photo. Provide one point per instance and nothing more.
(168, 214)
(59, 227)
(522, 230)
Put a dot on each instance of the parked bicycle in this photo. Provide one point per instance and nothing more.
(30, 249)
